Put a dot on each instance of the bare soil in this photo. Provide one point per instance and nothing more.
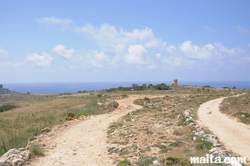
(234, 135)
(87, 141)
(83, 142)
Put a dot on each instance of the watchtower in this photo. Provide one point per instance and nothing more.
(1, 86)
(175, 82)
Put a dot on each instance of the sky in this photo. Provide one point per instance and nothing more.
(124, 41)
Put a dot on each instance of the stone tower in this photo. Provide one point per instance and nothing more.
(1, 86)
(175, 82)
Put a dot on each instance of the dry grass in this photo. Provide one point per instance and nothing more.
(154, 128)
(37, 112)
(238, 107)
(157, 129)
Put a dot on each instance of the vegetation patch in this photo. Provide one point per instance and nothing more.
(237, 107)
(243, 117)
(70, 116)
(124, 163)
(114, 126)
(204, 145)
(176, 144)
(176, 161)
(7, 107)
(35, 150)
(146, 160)
(113, 105)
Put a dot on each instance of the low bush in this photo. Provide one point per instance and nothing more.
(35, 150)
(7, 107)
(204, 145)
(70, 116)
(243, 117)
(145, 160)
(124, 163)
(112, 105)
(176, 161)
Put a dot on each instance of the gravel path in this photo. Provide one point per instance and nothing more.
(84, 142)
(234, 135)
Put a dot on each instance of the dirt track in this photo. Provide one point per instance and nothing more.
(84, 142)
(234, 135)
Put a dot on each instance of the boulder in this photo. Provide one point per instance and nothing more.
(15, 157)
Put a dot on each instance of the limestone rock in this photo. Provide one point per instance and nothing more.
(15, 157)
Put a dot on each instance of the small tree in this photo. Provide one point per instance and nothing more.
(135, 86)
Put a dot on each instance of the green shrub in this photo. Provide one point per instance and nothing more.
(143, 101)
(112, 105)
(145, 160)
(70, 116)
(99, 95)
(204, 145)
(165, 150)
(176, 144)
(243, 117)
(7, 107)
(184, 122)
(162, 86)
(124, 95)
(35, 150)
(114, 126)
(176, 161)
(124, 163)
(81, 114)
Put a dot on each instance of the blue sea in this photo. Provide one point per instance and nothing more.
(56, 88)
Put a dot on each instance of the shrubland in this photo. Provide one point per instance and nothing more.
(158, 131)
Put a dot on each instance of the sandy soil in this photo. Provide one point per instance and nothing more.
(234, 135)
(84, 142)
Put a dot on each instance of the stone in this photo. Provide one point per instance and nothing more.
(18, 162)
(46, 129)
(187, 112)
(15, 157)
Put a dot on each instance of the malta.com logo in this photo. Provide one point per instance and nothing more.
(210, 159)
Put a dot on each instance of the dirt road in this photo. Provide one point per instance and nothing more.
(234, 135)
(84, 143)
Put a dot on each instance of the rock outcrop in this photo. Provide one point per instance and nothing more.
(15, 157)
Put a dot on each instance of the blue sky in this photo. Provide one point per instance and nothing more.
(142, 40)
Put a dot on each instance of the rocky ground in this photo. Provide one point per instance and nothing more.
(157, 127)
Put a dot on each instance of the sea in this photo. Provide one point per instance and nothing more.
(74, 87)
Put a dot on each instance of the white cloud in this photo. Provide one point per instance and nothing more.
(223, 49)
(62, 24)
(108, 37)
(43, 60)
(136, 34)
(207, 52)
(177, 61)
(3, 52)
(196, 52)
(242, 29)
(158, 55)
(98, 59)
(117, 46)
(135, 54)
(208, 28)
(61, 50)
